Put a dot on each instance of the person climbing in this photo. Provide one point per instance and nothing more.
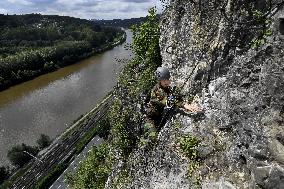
(163, 99)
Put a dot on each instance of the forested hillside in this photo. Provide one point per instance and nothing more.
(125, 23)
(33, 44)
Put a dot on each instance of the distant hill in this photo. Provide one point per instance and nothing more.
(33, 19)
(45, 30)
(125, 23)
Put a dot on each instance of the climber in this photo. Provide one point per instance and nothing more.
(163, 100)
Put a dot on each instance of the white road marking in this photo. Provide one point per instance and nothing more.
(58, 179)
(37, 175)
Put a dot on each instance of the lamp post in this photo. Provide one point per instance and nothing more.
(33, 156)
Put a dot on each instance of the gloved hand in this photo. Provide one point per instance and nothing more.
(192, 108)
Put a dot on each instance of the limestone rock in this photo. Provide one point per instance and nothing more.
(208, 47)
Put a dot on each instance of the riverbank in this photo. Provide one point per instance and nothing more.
(49, 103)
(84, 51)
(70, 143)
(76, 130)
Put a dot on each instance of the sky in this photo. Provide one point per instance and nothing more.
(87, 9)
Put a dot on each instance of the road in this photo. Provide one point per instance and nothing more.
(60, 151)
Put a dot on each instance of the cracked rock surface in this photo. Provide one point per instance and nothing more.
(241, 90)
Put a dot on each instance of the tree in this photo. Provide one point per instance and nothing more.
(4, 174)
(103, 128)
(18, 157)
(44, 141)
(93, 172)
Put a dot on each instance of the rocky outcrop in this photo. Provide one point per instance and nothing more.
(208, 47)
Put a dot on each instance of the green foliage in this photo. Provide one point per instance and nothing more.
(31, 45)
(146, 36)
(102, 128)
(189, 146)
(258, 14)
(136, 78)
(44, 141)
(261, 40)
(47, 181)
(122, 179)
(256, 42)
(125, 23)
(85, 140)
(4, 174)
(94, 170)
(123, 136)
(18, 157)
(264, 22)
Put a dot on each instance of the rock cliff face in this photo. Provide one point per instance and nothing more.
(208, 47)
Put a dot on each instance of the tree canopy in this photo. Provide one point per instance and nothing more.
(18, 156)
(44, 141)
(34, 44)
(4, 174)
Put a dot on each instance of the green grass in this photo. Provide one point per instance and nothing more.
(85, 140)
(49, 179)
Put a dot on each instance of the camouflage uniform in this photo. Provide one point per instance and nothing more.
(158, 100)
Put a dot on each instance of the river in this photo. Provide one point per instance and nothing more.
(49, 103)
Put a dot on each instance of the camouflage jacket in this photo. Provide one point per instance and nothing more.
(159, 98)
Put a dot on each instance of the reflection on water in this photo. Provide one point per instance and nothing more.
(50, 102)
(14, 93)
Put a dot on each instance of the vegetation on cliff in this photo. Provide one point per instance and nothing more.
(125, 117)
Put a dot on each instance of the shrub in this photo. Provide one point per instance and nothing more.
(44, 141)
(4, 174)
(189, 146)
(136, 78)
(93, 171)
(18, 157)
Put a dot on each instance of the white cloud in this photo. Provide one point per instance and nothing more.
(3, 11)
(88, 9)
(20, 2)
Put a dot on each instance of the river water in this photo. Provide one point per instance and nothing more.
(50, 103)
